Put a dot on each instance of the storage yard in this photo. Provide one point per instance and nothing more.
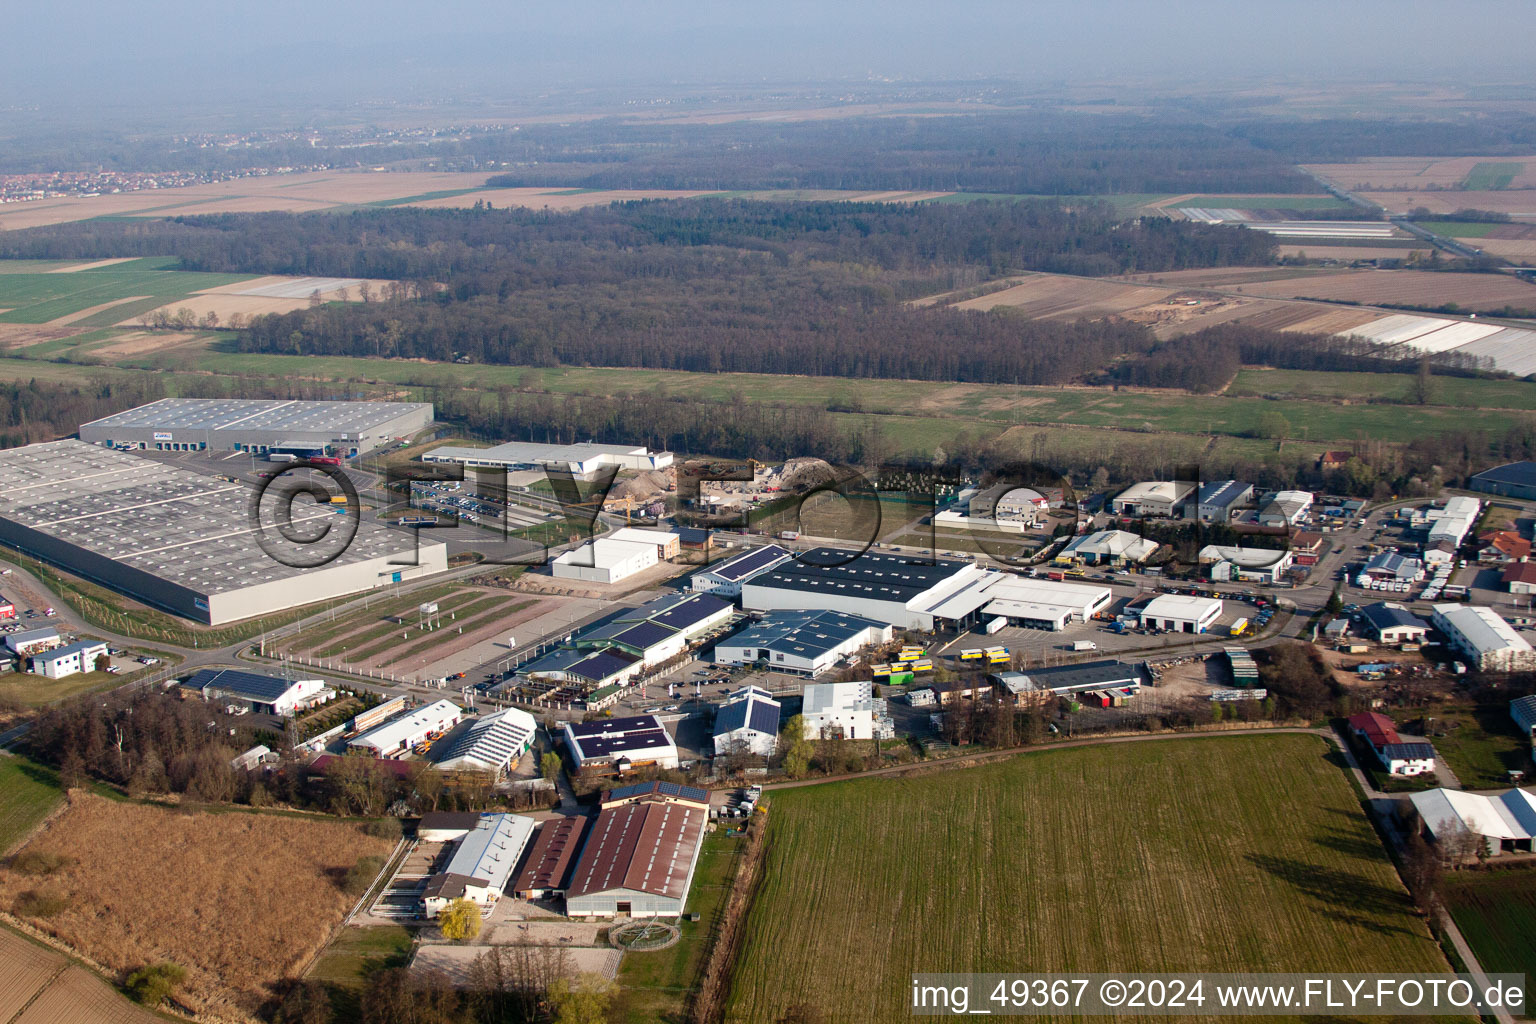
(1211, 868)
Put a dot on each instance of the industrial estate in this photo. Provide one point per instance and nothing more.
(720, 558)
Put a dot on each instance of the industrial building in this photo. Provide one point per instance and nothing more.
(1154, 498)
(1523, 711)
(1107, 547)
(725, 578)
(583, 460)
(803, 642)
(7, 608)
(620, 744)
(1286, 508)
(342, 429)
(492, 743)
(951, 519)
(748, 722)
(263, 694)
(668, 544)
(1397, 757)
(592, 669)
(1390, 567)
(481, 864)
(1481, 636)
(1391, 623)
(551, 856)
(30, 641)
(1519, 577)
(605, 560)
(72, 659)
(1506, 823)
(910, 593)
(1248, 565)
(1514, 480)
(657, 790)
(1065, 680)
(1007, 505)
(1447, 526)
(638, 860)
(446, 826)
(849, 711)
(659, 630)
(1179, 613)
(182, 541)
(1216, 499)
(410, 730)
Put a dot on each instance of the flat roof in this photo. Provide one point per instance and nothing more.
(604, 553)
(400, 728)
(807, 634)
(533, 452)
(871, 575)
(614, 737)
(1086, 676)
(641, 847)
(180, 526)
(1181, 606)
(259, 414)
(747, 563)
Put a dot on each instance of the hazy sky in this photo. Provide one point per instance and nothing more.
(73, 54)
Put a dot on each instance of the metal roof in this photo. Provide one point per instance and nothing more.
(616, 737)
(1519, 473)
(657, 788)
(749, 711)
(551, 853)
(258, 414)
(879, 576)
(1087, 676)
(403, 727)
(1481, 627)
(1222, 492)
(235, 683)
(1510, 815)
(806, 634)
(491, 850)
(747, 563)
(642, 847)
(491, 741)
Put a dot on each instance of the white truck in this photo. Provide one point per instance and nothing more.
(1084, 645)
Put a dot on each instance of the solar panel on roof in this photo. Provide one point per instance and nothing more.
(644, 635)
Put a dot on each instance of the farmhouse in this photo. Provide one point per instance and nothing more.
(747, 723)
(1481, 636)
(262, 694)
(493, 743)
(1523, 711)
(73, 659)
(1515, 480)
(1505, 823)
(620, 744)
(605, 560)
(1106, 547)
(409, 730)
(847, 711)
(724, 578)
(582, 460)
(1181, 614)
(1391, 623)
(257, 425)
(30, 641)
(550, 858)
(481, 864)
(1397, 757)
(1154, 498)
(638, 860)
(803, 642)
(1249, 565)
(1519, 577)
(186, 542)
(1286, 508)
(1217, 499)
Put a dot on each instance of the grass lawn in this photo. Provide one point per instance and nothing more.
(657, 985)
(1454, 392)
(28, 791)
(1215, 854)
(35, 690)
(358, 952)
(1479, 743)
(1496, 912)
(1458, 228)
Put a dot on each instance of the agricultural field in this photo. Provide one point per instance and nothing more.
(121, 914)
(1518, 203)
(1317, 201)
(1389, 173)
(28, 792)
(1419, 288)
(1459, 392)
(1496, 912)
(1238, 853)
(44, 984)
(102, 296)
(1058, 297)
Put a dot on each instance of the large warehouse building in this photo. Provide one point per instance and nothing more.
(182, 541)
(912, 594)
(257, 425)
(582, 460)
(1481, 635)
(638, 860)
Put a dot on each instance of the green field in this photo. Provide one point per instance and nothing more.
(36, 691)
(1496, 912)
(656, 986)
(28, 791)
(357, 953)
(1214, 854)
(1454, 392)
(1488, 175)
(1479, 743)
(1458, 228)
(36, 298)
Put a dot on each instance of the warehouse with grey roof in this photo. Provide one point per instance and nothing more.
(186, 542)
(256, 425)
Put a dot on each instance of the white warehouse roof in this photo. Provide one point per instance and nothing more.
(404, 727)
(1481, 627)
(1181, 606)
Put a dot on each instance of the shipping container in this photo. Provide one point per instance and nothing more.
(997, 624)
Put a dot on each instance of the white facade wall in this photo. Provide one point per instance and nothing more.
(604, 561)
